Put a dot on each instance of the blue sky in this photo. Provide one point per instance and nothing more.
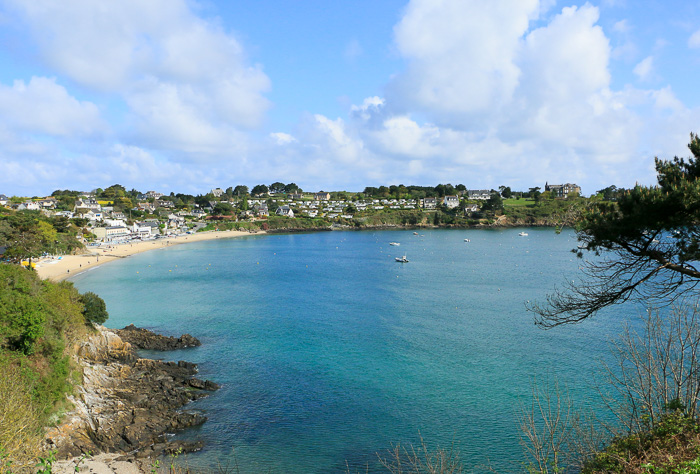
(184, 96)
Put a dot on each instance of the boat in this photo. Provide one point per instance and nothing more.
(523, 234)
(415, 233)
(395, 244)
(401, 259)
(467, 240)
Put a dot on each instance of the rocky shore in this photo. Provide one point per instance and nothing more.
(127, 405)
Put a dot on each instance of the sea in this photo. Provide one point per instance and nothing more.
(330, 353)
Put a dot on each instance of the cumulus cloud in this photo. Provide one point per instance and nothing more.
(45, 107)
(461, 56)
(161, 59)
(281, 138)
(644, 68)
(694, 40)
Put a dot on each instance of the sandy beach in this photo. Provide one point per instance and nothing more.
(69, 265)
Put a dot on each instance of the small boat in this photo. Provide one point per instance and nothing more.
(415, 233)
(401, 259)
(523, 234)
(467, 240)
(395, 244)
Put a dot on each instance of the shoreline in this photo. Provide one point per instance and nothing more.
(66, 266)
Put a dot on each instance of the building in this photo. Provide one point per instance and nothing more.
(285, 211)
(217, 192)
(429, 203)
(479, 194)
(451, 201)
(321, 196)
(110, 234)
(562, 190)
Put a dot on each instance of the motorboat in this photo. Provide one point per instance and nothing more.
(523, 234)
(395, 244)
(467, 240)
(402, 259)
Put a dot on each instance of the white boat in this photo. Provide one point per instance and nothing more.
(523, 234)
(467, 240)
(395, 244)
(401, 259)
(415, 233)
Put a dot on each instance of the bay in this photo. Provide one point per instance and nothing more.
(329, 351)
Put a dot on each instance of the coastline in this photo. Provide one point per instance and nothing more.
(126, 405)
(71, 265)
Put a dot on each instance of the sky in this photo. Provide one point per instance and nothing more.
(186, 96)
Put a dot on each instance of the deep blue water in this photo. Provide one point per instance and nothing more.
(329, 351)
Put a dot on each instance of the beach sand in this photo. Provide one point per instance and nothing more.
(69, 265)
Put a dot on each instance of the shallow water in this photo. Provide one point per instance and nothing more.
(329, 351)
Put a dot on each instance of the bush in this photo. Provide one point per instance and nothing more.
(95, 309)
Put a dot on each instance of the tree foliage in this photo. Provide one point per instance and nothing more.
(644, 247)
(94, 308)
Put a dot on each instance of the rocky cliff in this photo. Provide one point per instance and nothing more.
(127, 404)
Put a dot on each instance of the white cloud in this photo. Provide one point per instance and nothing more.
(461, 56)
(44, 107)
(643, 70)
(694, 40)
(353, 50)
(622, 26)
(161, 59)
(281, 138)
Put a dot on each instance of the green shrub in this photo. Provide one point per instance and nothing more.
(95, 309)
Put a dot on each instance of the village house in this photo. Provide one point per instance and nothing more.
(297, 196)
(111, 233)
(429, 203)
(4, 200)
(29, 206)
(321, 196)
(217, 192)
(48, 203)
(153, 195)
(88, 204)
(562, 190)
(479, 194)
(451, 201)
(261, 210)
(285, 211)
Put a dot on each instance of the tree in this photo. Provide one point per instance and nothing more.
(240, 190)
(494, 203)
(259, 189)
(277, 187)
(292, 188)
(222, 208)
(647, 245)
(94, 308)
(505, 192)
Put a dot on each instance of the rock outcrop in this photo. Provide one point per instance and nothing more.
(127, 404)
(145, 339)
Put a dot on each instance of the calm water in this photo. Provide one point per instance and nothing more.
(329, 351)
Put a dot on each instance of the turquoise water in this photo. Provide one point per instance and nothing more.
(328, 351)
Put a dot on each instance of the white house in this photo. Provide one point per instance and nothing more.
(451, 201)
(479, 194)
(285, 211)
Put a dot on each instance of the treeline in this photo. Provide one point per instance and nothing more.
(29, 234)
(39, 322)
